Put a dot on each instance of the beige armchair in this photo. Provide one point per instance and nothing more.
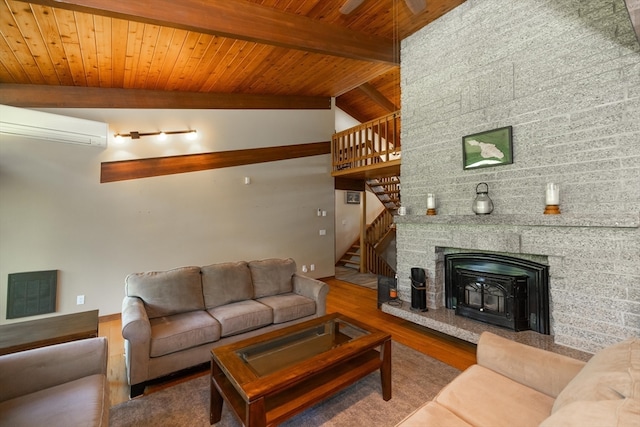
(58, 385)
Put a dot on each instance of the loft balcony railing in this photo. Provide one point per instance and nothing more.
(367, 145)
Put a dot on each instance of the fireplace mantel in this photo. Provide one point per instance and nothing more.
(563, 220)
(587, 254)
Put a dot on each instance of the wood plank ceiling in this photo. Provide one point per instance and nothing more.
(206, 53)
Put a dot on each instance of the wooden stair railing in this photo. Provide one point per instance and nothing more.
(370, 143)
(377, 233)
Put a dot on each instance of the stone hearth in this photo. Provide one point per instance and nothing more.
(589, 307)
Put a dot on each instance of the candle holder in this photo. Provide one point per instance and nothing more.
(552, 199)
(552, 210)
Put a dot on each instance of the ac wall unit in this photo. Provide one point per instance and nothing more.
(52, 127)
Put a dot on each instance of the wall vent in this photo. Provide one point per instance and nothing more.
(31, 293)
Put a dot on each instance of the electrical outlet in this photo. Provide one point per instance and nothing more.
(304, 269)
(323, 232)
(80, 300)
(312, 267)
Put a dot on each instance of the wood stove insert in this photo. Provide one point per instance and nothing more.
(499, 290)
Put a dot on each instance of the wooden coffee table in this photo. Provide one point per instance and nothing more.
(269, 378)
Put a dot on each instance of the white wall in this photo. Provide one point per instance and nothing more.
(55, 214)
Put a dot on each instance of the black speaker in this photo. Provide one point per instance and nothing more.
(384, 284)
(418, 289)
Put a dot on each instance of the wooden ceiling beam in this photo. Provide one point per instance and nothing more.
(241, 20)
(159, 166)
(377, 97)
(43, 96)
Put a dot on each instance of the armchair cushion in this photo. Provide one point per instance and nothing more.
(167, 292)
(56, 386)
(76, 403)
(612, 373)
(272, 276)
(482, 397)
(616, 412)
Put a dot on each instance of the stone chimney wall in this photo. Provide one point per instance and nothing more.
(566, 76)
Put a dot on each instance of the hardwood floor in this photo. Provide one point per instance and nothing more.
(351, 300)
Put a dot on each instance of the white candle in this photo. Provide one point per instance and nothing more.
(431, 201)
(553, 194)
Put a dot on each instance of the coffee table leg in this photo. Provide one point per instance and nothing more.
(215, 400)
(256, 414)
(385, 369)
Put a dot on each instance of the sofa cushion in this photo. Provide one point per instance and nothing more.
(81, 402)
(432, 414)
(225, 283)
(272, 276)
(288, 307)
(167, 292)
(181, 331)
(612, 373)
(587, 413)
(482, 397)
(242, 316)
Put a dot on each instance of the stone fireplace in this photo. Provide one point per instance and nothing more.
(591, 301)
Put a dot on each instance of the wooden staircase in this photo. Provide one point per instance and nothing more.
(351, 258)
(368, 156)
(387, 190)
(378, 235)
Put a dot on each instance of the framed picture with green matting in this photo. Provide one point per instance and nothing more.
(486, 149)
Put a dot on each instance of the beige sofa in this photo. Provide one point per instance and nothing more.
(172, 319)
(517, 385)
(60, 385)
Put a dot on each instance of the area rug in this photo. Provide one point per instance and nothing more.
(416, 378)
(353, 276)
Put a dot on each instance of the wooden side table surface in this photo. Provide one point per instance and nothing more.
(21, 336)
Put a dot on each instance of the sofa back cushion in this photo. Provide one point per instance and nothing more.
(226, 283)
(167, 292)
(612, 373)
(272, 276)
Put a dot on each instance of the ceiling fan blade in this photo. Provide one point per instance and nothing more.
(349, 6)
(416, 6)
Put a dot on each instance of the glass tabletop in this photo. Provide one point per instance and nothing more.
(268, 357)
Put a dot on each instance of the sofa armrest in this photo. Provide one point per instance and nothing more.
(313, 289)
(136, 330)
(542, 370)
(29, 371)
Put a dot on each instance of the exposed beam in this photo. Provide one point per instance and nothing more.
(350, 110)
(377, 97)
(42, 96)
(242, 20)
(349, 184)
(145, 168)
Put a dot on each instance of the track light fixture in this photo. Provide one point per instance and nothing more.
(191, 134)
